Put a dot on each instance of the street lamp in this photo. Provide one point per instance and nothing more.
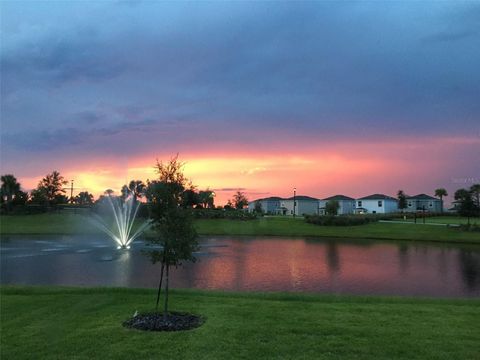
(294, 201)
(71, 192)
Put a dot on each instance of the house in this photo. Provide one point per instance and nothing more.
(376, 204)
(285, 206)
(303, 205)
(269, 205)
(423, 202)
(347, 204)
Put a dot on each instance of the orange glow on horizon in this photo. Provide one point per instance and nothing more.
(257, 177)
(350, 168)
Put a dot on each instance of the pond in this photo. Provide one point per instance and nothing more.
(252, 264)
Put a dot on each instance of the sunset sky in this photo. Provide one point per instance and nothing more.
(332, 98)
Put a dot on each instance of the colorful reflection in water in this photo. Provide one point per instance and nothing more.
(255, 264)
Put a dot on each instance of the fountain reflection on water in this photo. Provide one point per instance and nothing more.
(124, 213)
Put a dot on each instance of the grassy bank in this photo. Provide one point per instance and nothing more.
(297, 227)
(62, 223)
(78, 323)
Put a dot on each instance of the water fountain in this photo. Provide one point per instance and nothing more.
(124, 213)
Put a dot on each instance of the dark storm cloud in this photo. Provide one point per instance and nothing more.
(53, 61)
(195, 72)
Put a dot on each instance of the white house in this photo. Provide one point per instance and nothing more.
(347, 204)
(376, 204)
(269, 205)
(423, 202)
(303, 205)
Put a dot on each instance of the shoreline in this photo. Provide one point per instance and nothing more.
(68, 224)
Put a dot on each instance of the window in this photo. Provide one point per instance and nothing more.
(379, 203)
(359, 204)
(431, 204)
(409, 204)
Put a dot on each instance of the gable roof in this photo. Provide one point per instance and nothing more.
(376, 197)
(271, 198)
(339, 197)
(302, 197)
(422, 197)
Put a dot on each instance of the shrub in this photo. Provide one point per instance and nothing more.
(231, 214)
(342, 220)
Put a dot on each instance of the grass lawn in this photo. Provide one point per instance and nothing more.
(62, 223)
(447, 220)
(84, 323)
(297, 227)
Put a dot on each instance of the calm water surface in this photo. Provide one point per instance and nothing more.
(252, 264)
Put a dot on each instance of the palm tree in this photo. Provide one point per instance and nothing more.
(137, 188)
(440, 193)
(10, 188)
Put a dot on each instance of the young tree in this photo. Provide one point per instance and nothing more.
(440, 193)
(173, 224)
(331, 207)
(9, 190)
(402, 200)
(240, 200)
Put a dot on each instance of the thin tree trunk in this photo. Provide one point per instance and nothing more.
(165, 311)
(159, 286)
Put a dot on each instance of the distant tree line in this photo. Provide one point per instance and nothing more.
(51, 192)
(52, 189)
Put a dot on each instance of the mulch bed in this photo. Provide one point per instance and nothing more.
(174, 321)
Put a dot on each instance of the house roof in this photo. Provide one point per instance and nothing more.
(302, 197)
(339, 197)
(271, 198)
(422, 197)
(376, 197)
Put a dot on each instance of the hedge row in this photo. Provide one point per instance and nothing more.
(231, 214)
(344, 220)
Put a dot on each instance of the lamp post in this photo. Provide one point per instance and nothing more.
(294, 201)
(71, 192)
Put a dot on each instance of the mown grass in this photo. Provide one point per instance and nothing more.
(62, 223)
(446, 220)
(278, 226)
(59, 323)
